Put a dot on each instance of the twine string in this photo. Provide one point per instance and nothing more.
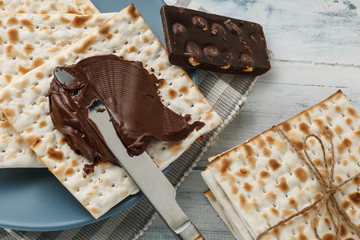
(327, 186)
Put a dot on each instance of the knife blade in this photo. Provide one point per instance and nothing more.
(149, 178)
(142, 169)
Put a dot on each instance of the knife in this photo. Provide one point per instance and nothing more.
(149, 178)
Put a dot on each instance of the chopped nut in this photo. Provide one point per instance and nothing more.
(193, 62)
(226, 67)
(211, 52)
(217, 29)
(253, 38)
(248, 69)
(246, 59)
(200, 22)
(242, 42)
(232, 27)
(247, 48)
(194, 50)
(178, 29)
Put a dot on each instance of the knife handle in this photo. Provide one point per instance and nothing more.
(190, 233)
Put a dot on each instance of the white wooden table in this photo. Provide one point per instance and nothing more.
(315, 48)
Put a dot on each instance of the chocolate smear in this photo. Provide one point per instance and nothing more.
(128, 92)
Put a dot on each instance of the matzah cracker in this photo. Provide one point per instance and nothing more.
(128, 36)
(48, 6)
(266, 181)
(40, 37)
(14, 152)
(220, 211)
(223, 207)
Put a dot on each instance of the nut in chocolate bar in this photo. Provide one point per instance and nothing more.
(206, 41)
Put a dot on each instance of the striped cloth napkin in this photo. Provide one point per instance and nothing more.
(227, 94)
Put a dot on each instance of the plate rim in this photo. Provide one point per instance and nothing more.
(121, 206)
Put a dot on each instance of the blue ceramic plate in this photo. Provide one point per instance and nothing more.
(33, 199)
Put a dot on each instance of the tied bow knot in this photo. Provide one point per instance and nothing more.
(328, 189)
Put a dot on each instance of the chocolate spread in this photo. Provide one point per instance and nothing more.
(129, 94)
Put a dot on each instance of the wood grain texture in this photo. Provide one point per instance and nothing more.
(315, 51)
(192, 201)
(323, 31)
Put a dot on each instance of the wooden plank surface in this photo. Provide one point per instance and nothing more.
(315, 51)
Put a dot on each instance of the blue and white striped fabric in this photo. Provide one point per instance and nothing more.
(227, 94)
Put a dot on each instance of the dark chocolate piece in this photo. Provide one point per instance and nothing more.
(128, 92)
(201, 40)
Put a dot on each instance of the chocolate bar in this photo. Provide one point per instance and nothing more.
(211, 42)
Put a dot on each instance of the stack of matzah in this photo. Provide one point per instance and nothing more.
(265, 189)
(24, 101)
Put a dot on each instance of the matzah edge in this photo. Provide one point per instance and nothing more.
(80, 49)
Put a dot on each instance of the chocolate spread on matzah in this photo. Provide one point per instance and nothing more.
(128, 92)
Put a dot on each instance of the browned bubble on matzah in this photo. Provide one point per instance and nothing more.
(39, 38)
(48, 6)
(266, 181)
(128, 36)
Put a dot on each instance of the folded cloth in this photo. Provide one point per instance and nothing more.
(227, 94)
